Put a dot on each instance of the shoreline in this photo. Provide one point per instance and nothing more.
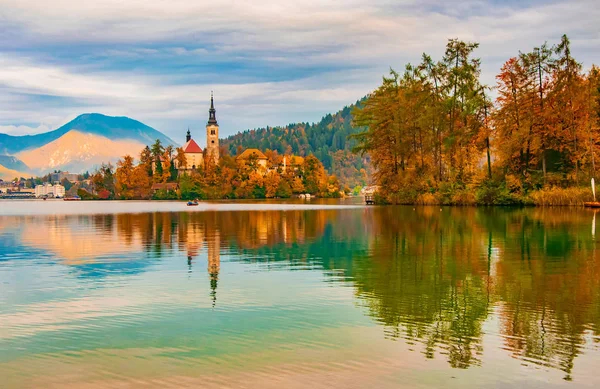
(316, 201)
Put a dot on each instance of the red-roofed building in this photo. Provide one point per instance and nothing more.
(191, 146)
(194, 157)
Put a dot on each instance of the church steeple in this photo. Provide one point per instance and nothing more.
(188, 137)
(212, 118)
(212, 133)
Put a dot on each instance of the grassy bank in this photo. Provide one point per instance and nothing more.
(492, 195)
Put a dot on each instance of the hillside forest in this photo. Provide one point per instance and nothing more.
(435, 135)
(328, 140)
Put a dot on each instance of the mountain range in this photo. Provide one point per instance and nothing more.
(81, 144)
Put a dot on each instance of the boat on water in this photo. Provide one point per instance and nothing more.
(73, 198)
(192, 203)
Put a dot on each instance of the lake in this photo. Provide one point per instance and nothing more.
(293, 295)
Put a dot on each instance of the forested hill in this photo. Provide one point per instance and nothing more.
(327, 140)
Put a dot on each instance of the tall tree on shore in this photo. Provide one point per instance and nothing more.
(539, 64)
(157, 154)
(433, 128)
(593, 114)
(146, 160)
(180, 158)
(567, 112)
(124, 178)
(513, 119)
(463, 102)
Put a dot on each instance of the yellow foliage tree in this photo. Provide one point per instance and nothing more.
(272, 180)
(124, 178)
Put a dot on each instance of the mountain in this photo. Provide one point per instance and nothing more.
(80, 145)
(77, 152)
(12, 163)
(327, 140)
(111, 127)
(9, 174)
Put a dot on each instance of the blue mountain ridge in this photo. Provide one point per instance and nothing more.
(13, 163)
(111, 127)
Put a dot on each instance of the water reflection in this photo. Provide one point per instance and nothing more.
(436, 280)
(436, 277)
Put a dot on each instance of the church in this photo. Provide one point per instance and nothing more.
(194, 155)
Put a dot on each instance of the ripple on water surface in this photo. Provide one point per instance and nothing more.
(295, 296)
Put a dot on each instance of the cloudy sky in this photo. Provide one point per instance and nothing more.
(269, 62)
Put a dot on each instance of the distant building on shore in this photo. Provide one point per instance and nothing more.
(369, 190)
(261, 161)
(58, 177)
(8, 186)
(49, 190)
(253, 156)
(293, 162)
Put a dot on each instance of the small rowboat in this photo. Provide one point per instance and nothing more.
(592, 204)
(192, 203)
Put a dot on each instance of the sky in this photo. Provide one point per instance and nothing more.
(269, 62)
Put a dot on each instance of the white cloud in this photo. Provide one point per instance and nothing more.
(24, 130)
(360, 39)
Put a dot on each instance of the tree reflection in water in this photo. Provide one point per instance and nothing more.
(432, 278)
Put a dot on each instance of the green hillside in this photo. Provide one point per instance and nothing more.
(327, 140)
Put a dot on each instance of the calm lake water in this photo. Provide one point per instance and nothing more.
(273, 295)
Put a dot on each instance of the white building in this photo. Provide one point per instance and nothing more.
(49, 190)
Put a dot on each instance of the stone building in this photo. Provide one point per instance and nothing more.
(49, 190)
(194, 158)
(255, 156)
(194, 155)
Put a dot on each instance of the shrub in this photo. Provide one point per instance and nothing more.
(164, 194)
(104, 194)
(555, 196)
(404, 196)
(284, 190)
(497, 193)
(463, 197)
(428, 199)
(85, 195)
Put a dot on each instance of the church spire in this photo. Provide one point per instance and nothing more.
(188, 137)
(212, 118)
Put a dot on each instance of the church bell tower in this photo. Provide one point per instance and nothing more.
(212, 133)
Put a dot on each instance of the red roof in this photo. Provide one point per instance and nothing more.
(191, 147)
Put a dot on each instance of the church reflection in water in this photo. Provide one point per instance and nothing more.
(434, 278)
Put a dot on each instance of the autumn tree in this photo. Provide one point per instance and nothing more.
(314, 177)
(157, 150)
(271, 182)
(103, 182)
(146, 160)
(180, 158)
(124, 184)
(514, 118)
